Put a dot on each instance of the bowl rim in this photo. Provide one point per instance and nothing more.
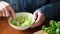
(23, 12)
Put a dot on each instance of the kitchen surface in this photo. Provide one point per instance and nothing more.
(5, 28)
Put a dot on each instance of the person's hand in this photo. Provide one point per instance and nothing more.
(39, 18)
(6, 10)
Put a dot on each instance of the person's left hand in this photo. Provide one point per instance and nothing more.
(39, 18)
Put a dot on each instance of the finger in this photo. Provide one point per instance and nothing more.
(39, 16)
(35, 24)
(6, 12)
(4, 5)
(0, 13)
(9, 8)
(37, 21)
(2, 9)
(12, 11)
(35, 15)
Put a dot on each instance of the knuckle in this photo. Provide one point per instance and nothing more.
(1, 9)
(5, 3)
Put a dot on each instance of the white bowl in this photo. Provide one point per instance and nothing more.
(23, 27)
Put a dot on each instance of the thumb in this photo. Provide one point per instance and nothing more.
(37, 19)
(35, 15)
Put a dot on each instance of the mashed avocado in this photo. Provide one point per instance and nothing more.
(22, 20)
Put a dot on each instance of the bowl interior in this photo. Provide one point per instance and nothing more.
(29, 16)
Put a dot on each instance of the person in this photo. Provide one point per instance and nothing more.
(41, 9)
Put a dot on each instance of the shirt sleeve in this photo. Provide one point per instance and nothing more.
(51, 10)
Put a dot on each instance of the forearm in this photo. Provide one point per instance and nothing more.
(51, 10)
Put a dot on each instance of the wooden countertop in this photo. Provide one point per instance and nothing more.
(5, 28)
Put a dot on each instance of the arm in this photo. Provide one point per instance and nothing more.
(51, 10)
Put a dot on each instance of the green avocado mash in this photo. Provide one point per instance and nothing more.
(21, 20)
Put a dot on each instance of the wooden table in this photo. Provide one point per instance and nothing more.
(5, 28)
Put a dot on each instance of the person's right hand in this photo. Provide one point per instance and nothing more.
(6, 10)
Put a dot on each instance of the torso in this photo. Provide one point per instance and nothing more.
(26, 5)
